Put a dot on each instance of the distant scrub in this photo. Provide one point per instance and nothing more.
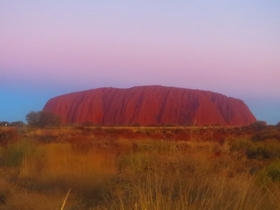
(256, 150)
(43, 119)
(258, 125)
(267, 134)
(14, 124)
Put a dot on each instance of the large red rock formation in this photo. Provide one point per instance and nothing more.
(148, 105)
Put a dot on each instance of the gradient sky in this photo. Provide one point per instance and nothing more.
(49, 48)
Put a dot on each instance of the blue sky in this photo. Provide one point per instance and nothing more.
(49, 48)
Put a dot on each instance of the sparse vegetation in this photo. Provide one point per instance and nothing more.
(259, 124)
(139, 168)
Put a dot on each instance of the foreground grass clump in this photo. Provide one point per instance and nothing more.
(102, 172)
(13, 154)
(155, 191)
(270, 173)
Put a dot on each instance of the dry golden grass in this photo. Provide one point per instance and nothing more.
(123, 173)
(60, 159)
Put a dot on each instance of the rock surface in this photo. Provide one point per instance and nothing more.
(150, 105)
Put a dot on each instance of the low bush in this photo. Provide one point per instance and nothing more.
(270, 173)
(258, 125)
(258, 151)
(266, 134)
(14, 154)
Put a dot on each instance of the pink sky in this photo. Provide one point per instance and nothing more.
(49, 48)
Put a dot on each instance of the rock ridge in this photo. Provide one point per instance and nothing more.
(150, 105)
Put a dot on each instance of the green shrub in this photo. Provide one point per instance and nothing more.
(269, 133)
(13, 154)
(256, 150)
(270, 173)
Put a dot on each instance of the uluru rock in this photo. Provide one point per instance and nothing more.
(150, 105)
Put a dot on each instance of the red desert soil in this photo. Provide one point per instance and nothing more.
(150, 105)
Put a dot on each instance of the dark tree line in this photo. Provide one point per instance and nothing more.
(43, 119)
(15, 124)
